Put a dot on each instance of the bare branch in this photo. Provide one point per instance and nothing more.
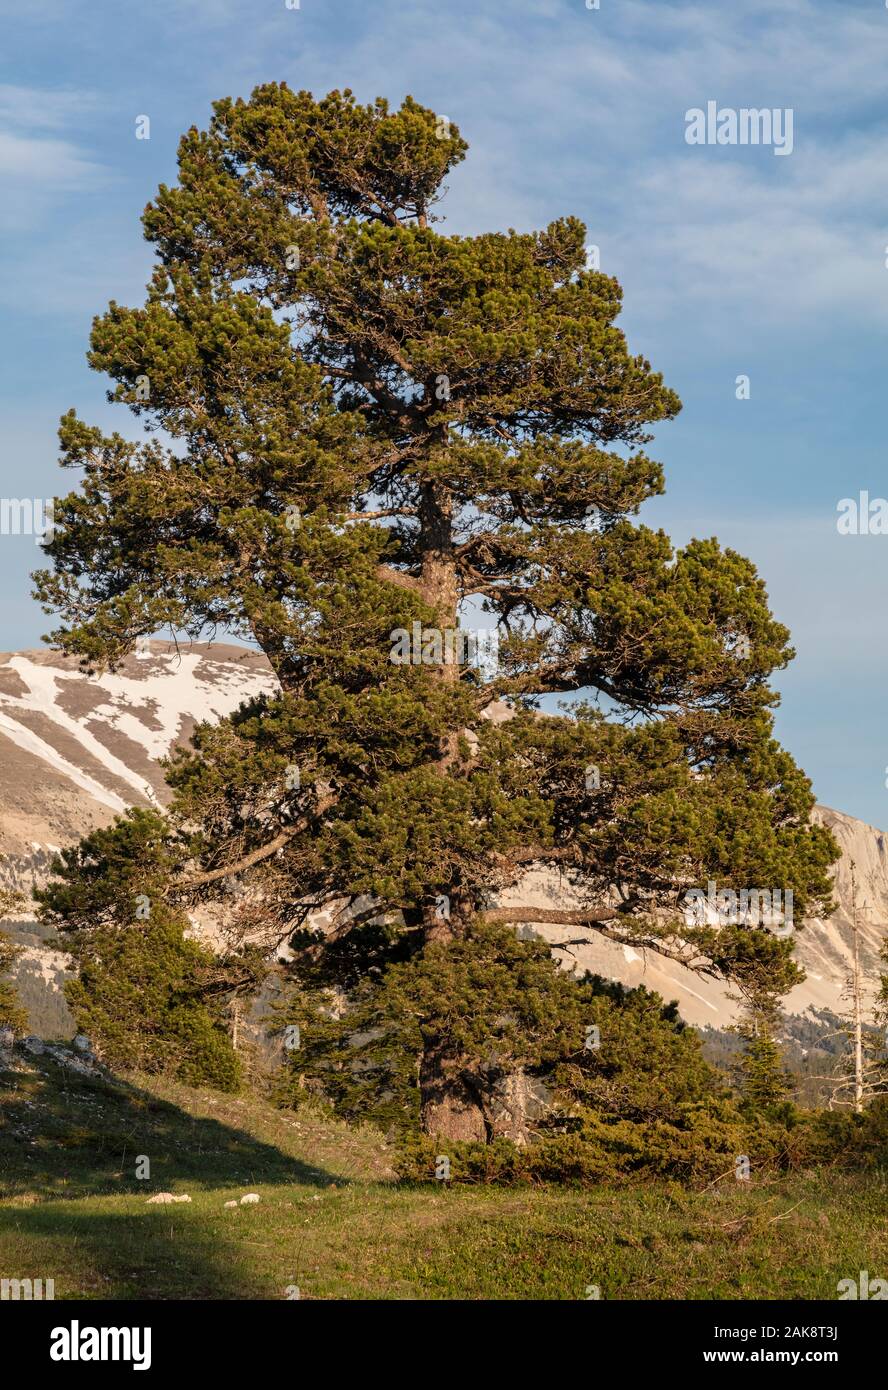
(385, 511)
(558, 916)
(255, 856)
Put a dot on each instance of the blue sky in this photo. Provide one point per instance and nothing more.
(733, 261)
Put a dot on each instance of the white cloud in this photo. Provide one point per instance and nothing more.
(57, 165)
(37, 108)
(571, 110)
(805, 239)
(38, 163)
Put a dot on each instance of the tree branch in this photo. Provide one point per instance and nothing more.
(598, 916)
(255, 856)
(532, 854)
(385, 511)
(393, 576)
(558, 916)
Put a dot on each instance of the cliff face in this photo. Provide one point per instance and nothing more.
(823, 948)
(74, 750)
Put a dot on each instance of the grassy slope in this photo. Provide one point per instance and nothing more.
(333, 1222)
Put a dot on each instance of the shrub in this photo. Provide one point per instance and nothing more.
(12, 1014)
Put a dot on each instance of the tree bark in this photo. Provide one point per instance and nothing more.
(856, 995)
(449, 1107)
(566, 917)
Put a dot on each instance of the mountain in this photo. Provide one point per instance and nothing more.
(76, 749)
(823, 947)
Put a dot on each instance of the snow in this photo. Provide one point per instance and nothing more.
(42, 683)
(149, 710)
(173, 693)
(30, 743)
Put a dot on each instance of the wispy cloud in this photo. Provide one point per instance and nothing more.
(36, 108)
(39, 163)
(729, 233)
(54, 165)
(583, 111)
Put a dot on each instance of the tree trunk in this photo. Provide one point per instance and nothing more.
(455, 1103)
(858, 1013)
(449, 1106)
(514, 1102)
(438, 582)
(449, 1109)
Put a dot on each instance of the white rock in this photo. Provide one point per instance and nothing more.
(167, 1197)
(84, 1065)
(250, 1197)
(230, 1204)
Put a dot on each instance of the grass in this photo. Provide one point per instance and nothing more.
(333, 1222)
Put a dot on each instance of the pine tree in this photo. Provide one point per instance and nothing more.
(363, 430)
(12, 1014)
(149, 997)
(764, 1080)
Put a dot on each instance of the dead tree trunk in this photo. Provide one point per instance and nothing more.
(857, 1002)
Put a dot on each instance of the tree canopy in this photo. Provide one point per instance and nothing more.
(357, 422)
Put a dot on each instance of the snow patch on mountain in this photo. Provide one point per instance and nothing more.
(76, 749)
(148, 708)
